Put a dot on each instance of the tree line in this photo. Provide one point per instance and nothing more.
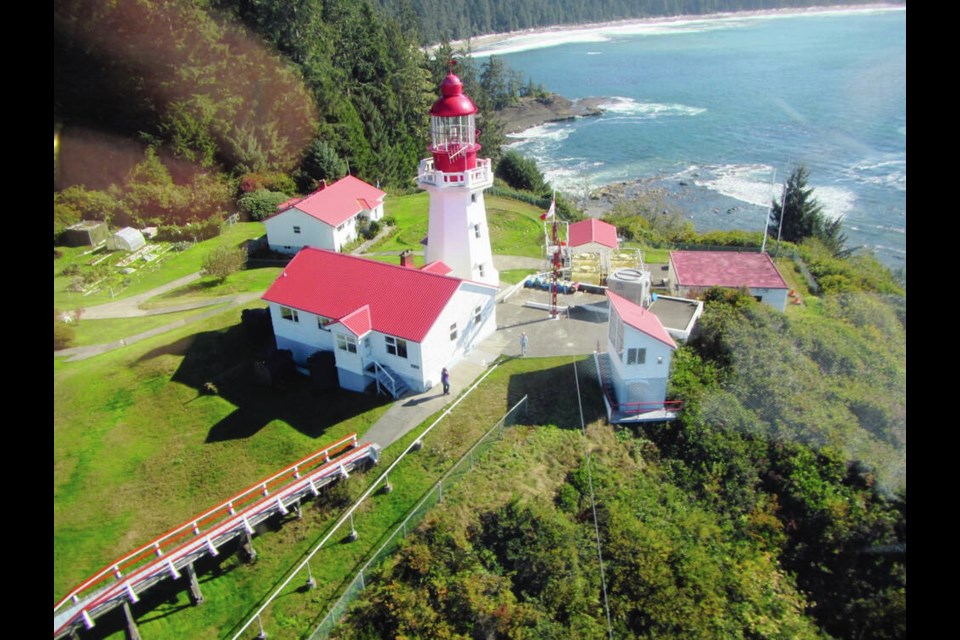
(460, 19)
(245, 92)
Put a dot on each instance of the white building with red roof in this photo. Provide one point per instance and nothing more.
(327, 218)
(635, 368)
(693, 272)
(394, 325)
(592, 235)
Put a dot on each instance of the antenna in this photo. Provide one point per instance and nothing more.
(766, 222)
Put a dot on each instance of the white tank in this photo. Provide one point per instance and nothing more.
(632, 284)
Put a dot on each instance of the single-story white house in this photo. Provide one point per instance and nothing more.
(394, 325)
(696, 271)
(636, 366)
(326, 219)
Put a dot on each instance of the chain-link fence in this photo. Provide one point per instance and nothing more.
(462, 467)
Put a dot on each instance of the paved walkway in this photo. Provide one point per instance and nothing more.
(129, 307)
(576, 332)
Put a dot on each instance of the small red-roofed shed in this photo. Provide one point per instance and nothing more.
(328, 218)
(696, 271)
(592, 235)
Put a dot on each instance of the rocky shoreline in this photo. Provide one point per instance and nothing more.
(531, 112)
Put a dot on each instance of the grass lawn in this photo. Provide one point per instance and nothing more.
(88, 332)
(240, 282)
(173, 265)
(513, 276)
(515, 227)
(137, 450)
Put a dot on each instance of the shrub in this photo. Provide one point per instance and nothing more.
(223, 261)
(63, 333)
(261, 204)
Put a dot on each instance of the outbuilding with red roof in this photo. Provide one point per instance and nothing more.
(637, 359)
(384, 322)
(693, 272)
(328, 218)
(592, 235)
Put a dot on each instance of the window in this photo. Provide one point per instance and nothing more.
(616, 333)
(478, 314)
(289, 314)
(473, 198)
(453, 331)
(480, 269)
(476, 230)
(346, 343)
(636, 355)
(396, 346)
(296, 229)
(323, 322)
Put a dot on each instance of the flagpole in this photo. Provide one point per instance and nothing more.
(556, 256)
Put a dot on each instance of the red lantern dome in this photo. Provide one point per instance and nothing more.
(453, 128)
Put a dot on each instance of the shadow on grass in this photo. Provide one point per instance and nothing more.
(225, 359)
(552, 394)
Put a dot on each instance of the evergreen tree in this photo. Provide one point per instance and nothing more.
(800, 216)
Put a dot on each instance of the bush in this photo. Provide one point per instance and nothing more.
(63, 333)
(261, 204)
(223, 261)
(520, 172)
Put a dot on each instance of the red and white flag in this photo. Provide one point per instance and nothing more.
(550, 212)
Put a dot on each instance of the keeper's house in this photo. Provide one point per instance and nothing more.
(395, 325)
(328, 218)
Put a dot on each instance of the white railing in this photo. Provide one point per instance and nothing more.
(377, 368)
(480, 176)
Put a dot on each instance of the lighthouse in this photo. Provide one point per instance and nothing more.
(457, 233)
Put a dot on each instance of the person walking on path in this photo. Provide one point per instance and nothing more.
(523, 344)
(445, 379)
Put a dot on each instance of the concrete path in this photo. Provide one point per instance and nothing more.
(130, 307)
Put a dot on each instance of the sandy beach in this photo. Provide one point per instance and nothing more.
(496, 43)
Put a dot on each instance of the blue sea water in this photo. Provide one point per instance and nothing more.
(718, 111)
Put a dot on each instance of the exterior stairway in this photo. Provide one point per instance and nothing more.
(388, 381)
(604, 368)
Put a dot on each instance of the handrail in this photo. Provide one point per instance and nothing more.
(393, 383)
(374, 486)
(209, 539)
(193, 525)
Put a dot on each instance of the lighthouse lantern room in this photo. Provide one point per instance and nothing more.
(457, 232)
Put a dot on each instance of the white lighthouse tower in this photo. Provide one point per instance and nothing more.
(457, 233)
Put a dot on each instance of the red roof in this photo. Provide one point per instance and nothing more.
(640, 319)
(454, 102)
(725, 269)
(593, 230)
(338, 202)
(400, 301)
(437, 266)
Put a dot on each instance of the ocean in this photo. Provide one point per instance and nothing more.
(718, 111)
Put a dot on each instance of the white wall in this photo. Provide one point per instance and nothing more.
(776, 298)
(645, 382)
(454, 214)
(313, 232)
(438, 350)
(303, 337)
